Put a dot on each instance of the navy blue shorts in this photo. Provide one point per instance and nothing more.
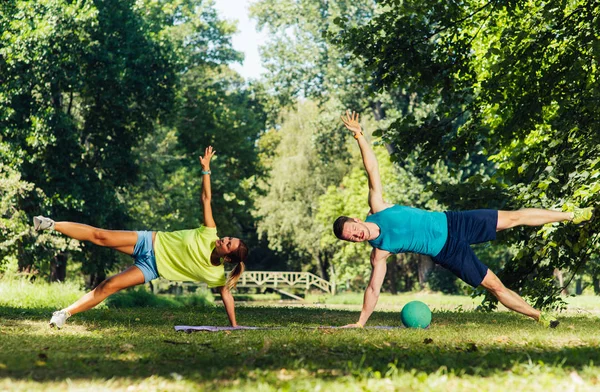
(466, 228)
(143, 254)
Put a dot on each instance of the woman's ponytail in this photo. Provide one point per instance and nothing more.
(239, 256)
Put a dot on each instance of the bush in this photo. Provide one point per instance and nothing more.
(442, 280)
(20, 292)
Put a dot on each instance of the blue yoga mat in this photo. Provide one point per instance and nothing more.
(212, 328)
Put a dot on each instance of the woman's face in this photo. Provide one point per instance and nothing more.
(226, 245)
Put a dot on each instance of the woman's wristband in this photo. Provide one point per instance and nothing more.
(205, 172)
(357, 135)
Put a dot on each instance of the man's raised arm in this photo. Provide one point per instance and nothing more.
(369, 161)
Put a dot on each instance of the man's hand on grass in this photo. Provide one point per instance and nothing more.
(355, 325)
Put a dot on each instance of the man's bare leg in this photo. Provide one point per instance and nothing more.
(530, 217)
(507, 297)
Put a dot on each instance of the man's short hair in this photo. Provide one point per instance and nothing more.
(338, 226)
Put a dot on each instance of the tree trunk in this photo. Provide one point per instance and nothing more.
(578, 286)
(392, 273)
(424, 267)
(558, 274)
(58, 268)
(323, 266)
(378, 112)
(95, 278)
(596, 283)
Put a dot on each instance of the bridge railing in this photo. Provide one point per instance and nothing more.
(278, 280)
(281, 279)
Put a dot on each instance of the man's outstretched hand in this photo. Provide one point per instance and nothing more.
(351, 122)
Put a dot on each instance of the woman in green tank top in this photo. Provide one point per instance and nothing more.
(186, 255)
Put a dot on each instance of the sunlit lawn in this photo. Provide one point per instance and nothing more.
(137, 349)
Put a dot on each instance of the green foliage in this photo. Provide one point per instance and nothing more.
(83, 83)
(512, 82)
(105, 106)
(13, 222)
(297, 175)
(444, 281)
(215, 109)
(299, 60)
(22, 293)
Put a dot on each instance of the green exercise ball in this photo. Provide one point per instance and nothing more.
(416, 314)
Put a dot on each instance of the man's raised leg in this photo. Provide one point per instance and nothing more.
(530, 217)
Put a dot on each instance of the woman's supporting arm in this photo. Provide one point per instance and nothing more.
(229, 305)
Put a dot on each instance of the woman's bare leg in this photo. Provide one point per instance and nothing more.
(132, 276)
(507, 297)
(530, 217)
(121, 240)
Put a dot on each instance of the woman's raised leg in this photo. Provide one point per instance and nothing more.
(121, 240)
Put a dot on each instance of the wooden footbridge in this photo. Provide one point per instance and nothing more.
(279, 281)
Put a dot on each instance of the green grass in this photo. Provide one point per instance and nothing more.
(136, 349)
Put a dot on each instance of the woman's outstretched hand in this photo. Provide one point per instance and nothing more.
(351, 122)
(205, 160)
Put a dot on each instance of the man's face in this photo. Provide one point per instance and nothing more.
(355, 231)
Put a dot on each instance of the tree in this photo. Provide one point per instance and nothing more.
(514, 82)
(297, 176)
(214, 106)
(299, 58)
(82, 83)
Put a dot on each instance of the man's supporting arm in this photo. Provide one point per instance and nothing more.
(378, 258)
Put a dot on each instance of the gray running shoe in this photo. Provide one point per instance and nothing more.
(42, 223)
(59, 318)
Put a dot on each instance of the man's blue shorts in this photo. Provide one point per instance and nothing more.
(143, 254)
(466, 228)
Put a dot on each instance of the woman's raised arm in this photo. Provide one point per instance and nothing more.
(206, 196)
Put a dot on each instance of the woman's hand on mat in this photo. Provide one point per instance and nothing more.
(351, 122)
(205, 160)
(356, 325)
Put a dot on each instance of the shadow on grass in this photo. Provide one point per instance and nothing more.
(139, 343)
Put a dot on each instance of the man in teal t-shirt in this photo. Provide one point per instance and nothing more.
(445, 236)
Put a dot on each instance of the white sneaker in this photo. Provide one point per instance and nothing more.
(42, 223)
(59, 318)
